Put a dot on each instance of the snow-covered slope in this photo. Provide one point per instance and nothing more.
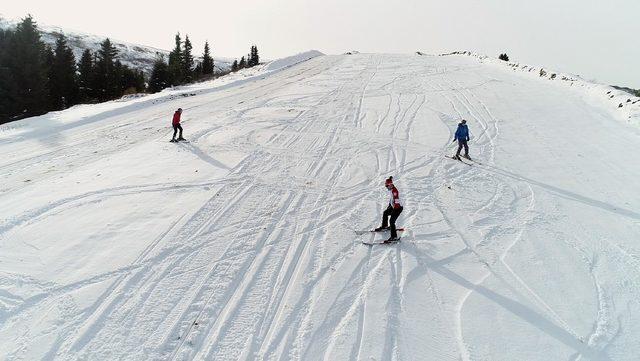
(240, 244)
(137, 56)
(621, 101)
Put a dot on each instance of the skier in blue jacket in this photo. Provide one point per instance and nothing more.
(462, 136)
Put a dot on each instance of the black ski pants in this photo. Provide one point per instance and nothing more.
(175, 130)
(462, 143)
(394, 213)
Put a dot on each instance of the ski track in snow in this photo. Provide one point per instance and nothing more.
(240, 243)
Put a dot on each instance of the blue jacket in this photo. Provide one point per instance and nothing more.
(462, 133)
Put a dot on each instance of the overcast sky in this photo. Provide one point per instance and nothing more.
(597, 39)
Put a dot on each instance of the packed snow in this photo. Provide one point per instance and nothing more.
(241, 242)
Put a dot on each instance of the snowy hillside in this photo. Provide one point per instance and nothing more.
(240, 244)
(621, 99)
(136, 56)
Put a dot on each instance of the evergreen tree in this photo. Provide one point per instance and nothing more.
(256, 55)
(106, 78)
(49, 60)
(175, 63)
(95, 81)
(234, 66)
(85, 77)
(27, 71)
(160, 76)
(242, 64)
(139, 81)
(504, 57)
(5, 76)
(254, 58)
(118, 76)
(187, 61)
(63, 86)
(131, 81)
(207, 61)
(197, 72)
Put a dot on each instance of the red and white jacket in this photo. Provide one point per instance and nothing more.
(394, 201)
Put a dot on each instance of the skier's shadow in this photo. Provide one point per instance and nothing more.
(566, 194)
(516, 308)
(205, 157)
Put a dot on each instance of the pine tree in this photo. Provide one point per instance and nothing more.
(63, 87)
(256, 55)
(207, 61)
(49, 60)
(175, 63)
(139, 81)
(105, 72)
(234, 66)
(187, 61)
(160, 76)
(85, 77)
(242, 64)
(254, 58)
(28, 72)
(5, 76)
(95, 81)
(131, 81)
(504, 57)
(197, 72)
(118, 76)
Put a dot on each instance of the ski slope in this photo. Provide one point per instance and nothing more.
(240, 244)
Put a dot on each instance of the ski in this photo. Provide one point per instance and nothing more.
(459, 160)
(381, 241)
(374, 231)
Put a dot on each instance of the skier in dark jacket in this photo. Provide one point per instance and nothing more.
(462, 136)
(393, 210)
(176, 125)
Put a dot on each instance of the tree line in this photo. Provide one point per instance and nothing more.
(36, 78)
(179, 68)
(252, 59)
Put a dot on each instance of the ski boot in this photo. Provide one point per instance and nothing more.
(173, 141)
(380, 229)
(180, 138)
(467, 156)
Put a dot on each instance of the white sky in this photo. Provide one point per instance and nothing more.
(597, 39)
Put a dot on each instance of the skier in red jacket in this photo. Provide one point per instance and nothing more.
(393, 210)
(176, 125)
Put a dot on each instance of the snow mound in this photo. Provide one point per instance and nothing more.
(292, 60)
